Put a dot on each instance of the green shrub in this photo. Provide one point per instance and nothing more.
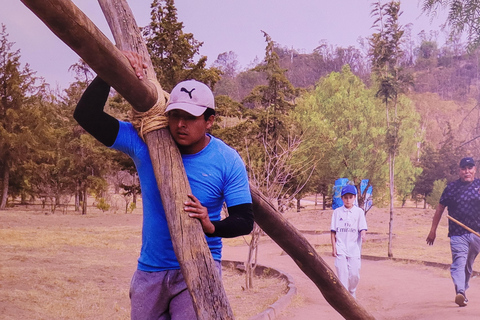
(434, 197)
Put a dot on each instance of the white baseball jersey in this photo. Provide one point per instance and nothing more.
(347, 224)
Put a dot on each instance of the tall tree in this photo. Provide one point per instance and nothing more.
(271, 104)
(227, 63)
(270, 139)
(407, 166)
(438, 163)
(463, 17)
(385, 54)
(344, 128)
(90, 161)
(17, 85)
(49, 171)
(172, 51)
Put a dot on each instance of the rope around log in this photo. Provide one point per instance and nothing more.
(154, 118)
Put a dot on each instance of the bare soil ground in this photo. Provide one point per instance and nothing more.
(403, 289)
(68, 266)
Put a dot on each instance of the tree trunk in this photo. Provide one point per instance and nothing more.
(251, 263)
(391, 167)
(77, 196)
(306, 257)
(5, 179)
(84, 196)
(134, 192)
(298, 205)
(188, 238)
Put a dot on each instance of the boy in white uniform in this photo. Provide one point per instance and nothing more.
(347, 233)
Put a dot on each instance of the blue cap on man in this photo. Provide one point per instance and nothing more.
(467, 162)
(349, 189)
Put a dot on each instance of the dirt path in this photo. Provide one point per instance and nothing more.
(387, 289)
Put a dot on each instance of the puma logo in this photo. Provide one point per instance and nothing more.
(189, 92)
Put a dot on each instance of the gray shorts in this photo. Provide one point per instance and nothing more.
(161, 295)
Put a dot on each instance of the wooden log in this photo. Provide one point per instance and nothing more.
(306, 257)
(272, 222)
(198, 267)
(196, 262)
(74, 28)
(190, 246)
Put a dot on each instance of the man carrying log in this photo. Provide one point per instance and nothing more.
(462, 197)
(216, 174)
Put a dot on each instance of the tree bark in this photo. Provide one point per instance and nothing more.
(84, 196)
(77, 196)
(5, 180)
(391, 168)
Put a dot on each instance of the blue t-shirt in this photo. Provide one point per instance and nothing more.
(216, 175)
(463, 202)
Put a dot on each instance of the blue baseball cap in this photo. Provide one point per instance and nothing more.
(349, 189)
(467, 162)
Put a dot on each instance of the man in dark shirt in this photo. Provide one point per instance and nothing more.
(462, 197)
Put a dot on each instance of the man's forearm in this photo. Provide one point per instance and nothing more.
(239, 222)
(437, 216)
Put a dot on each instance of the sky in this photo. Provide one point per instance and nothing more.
(222, 26)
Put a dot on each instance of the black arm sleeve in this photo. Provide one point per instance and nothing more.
(239, 222)
(90, 115)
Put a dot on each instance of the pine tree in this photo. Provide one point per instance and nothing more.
(17, 140)
(172, 51)
(89, 161)
(270, 106)
(270, 140)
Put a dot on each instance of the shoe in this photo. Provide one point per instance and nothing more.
(460, 299)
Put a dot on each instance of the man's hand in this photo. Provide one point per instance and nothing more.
(136, 62)
(431, 237)
(195, 210)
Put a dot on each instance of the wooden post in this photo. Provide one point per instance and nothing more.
(76, 30)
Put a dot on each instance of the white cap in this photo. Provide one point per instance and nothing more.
(191, 96)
